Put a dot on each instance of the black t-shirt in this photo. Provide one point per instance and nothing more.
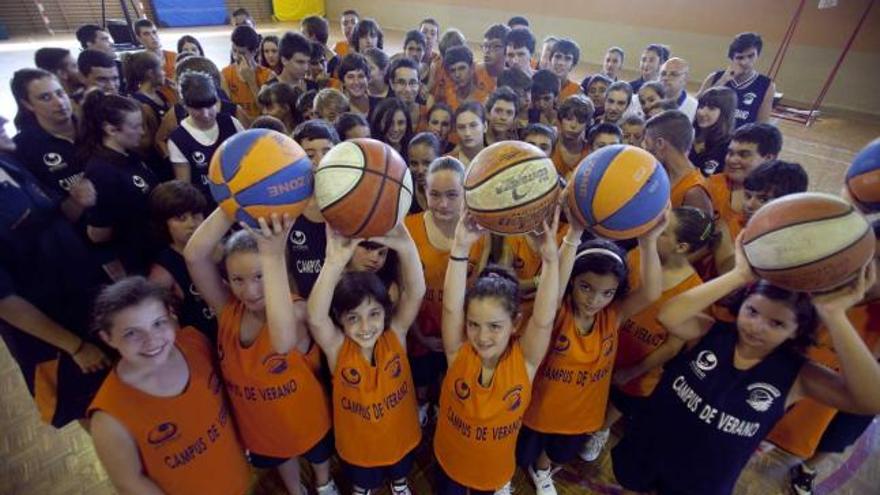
(306, 249)
(711, 160)
(123, 184)
(51, 159)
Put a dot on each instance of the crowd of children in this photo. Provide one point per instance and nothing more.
(193, 349)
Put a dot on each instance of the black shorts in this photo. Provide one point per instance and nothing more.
(628, 405)
(317, 454)
(448, 486)
(427, 370)
(370, 478)
(560, 448)
(843, 431)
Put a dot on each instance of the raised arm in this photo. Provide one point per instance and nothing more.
(467, 232)
(287, 321)
(651, 273)
(200, 260)
(412, 289)
(536, 337)
(568, 252)
(855, 388)
(683, 314)
(324, 331)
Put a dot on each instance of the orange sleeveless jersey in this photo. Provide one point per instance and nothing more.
(484, 84)
(475, 440)
(693, 179)
(375, 416)
(239, 92)
(279, 405)
(561, 167)
(341, 48)
(434, 262)
(719, 192)
(801, 429)
(187, 443)
(643, 334)
(571, 388)
(526, 263)
(569, 88)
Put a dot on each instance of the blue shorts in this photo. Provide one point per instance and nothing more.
(560, 448)
(370, 478)
(319, 453)
(448, 486)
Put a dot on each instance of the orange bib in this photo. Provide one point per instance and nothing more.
(563, 168)
(375, 416)
(484, 84)
(279, 405)
(719, 193)
(239, 92)
(571, 388)
(475, 440)
(569, 88)
(693, 179)
(187, 443)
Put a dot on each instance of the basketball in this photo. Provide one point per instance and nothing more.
(511, 187)
(259, 172)
(808, 242)
(619, 191)
(863, 177)
(363, 187)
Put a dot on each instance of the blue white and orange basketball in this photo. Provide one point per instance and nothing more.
(259, 172)
(619, 191)
(863, 177)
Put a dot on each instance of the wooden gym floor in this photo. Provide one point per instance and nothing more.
(37, 459)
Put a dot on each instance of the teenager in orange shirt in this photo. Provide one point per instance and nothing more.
(364, 339)
(243, 78)
(261, 353)
(148, 36)
(348, 21)
(489, 383)
(564, 58)
(519, 47)
(571, 390)
(575, 117)
(469, 83)
(422, 150)
(160, 421)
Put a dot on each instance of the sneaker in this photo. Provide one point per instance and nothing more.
(423, 414)
(328, 489)
(543, 480)
(802, 479)
(505, 490)
(400, 488)
(593, 448)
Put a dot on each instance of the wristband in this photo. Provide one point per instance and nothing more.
(459, 258)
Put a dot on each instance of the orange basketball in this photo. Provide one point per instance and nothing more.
(511, 187)
(363, 188)
(808, 242)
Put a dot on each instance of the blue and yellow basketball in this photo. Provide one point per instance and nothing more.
(619, 191)
(259, 172)
(863, 177)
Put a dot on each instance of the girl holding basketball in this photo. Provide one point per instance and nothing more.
(571, 392)
(351, 317)
(162, 401)
(260, 357)
(489, 383)
(719, 399)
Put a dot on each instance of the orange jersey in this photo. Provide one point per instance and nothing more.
(239, 92)
(477, 428)
(693, 179)
(483, 85)
(571, 388)
(434, 262)
(801, 429)
(719, 192)
(643, 334)
(375, 416)
(187, 443)
(526, 263)
(342, 48)
(565, 169)
(569, 88)
(169, 62)
(278, 403)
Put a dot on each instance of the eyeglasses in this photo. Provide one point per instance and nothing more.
(491, 47)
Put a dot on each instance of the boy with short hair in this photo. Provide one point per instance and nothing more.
(99, 70)
(618, 98)
(541, 136)
(501, 110)
(329, 104)
(652, 58)
(295, 52)
(430, 28)
(148, 36)
(493, 49)
(575, 116)
(545, 94)
(347, 21)
(60, 62)
(633, 128)
(519, 46)
(467, 83)
(564, 58)
(521, 85)
(603, 134)
(243, 78)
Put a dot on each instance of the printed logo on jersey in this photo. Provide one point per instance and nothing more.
(762, 395)
(513, 398)
(162, 433)
(462, 389)
(275, 363)
(561, 344)
(706, 361)
(351, 376)
(749, 98)
(139, 182)
(710, 166)
(608, 344)
(393, 366)
(297, 237)
(54, 162)
(214, 383)
(198, 157)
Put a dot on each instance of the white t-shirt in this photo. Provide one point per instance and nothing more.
(203, 137)
(689, 107)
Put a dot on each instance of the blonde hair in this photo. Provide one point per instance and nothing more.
(330, 98)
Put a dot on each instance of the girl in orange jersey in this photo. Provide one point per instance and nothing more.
(374, 405)
(571, 390)
(278, 403)
(160, 421)
(489, 383)
(644, 345)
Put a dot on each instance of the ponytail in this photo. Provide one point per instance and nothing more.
(99, 108)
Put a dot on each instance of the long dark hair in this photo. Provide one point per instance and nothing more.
(272, 39)
(496, 282)
(382, 118)
(724, 99)
(99, 108)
